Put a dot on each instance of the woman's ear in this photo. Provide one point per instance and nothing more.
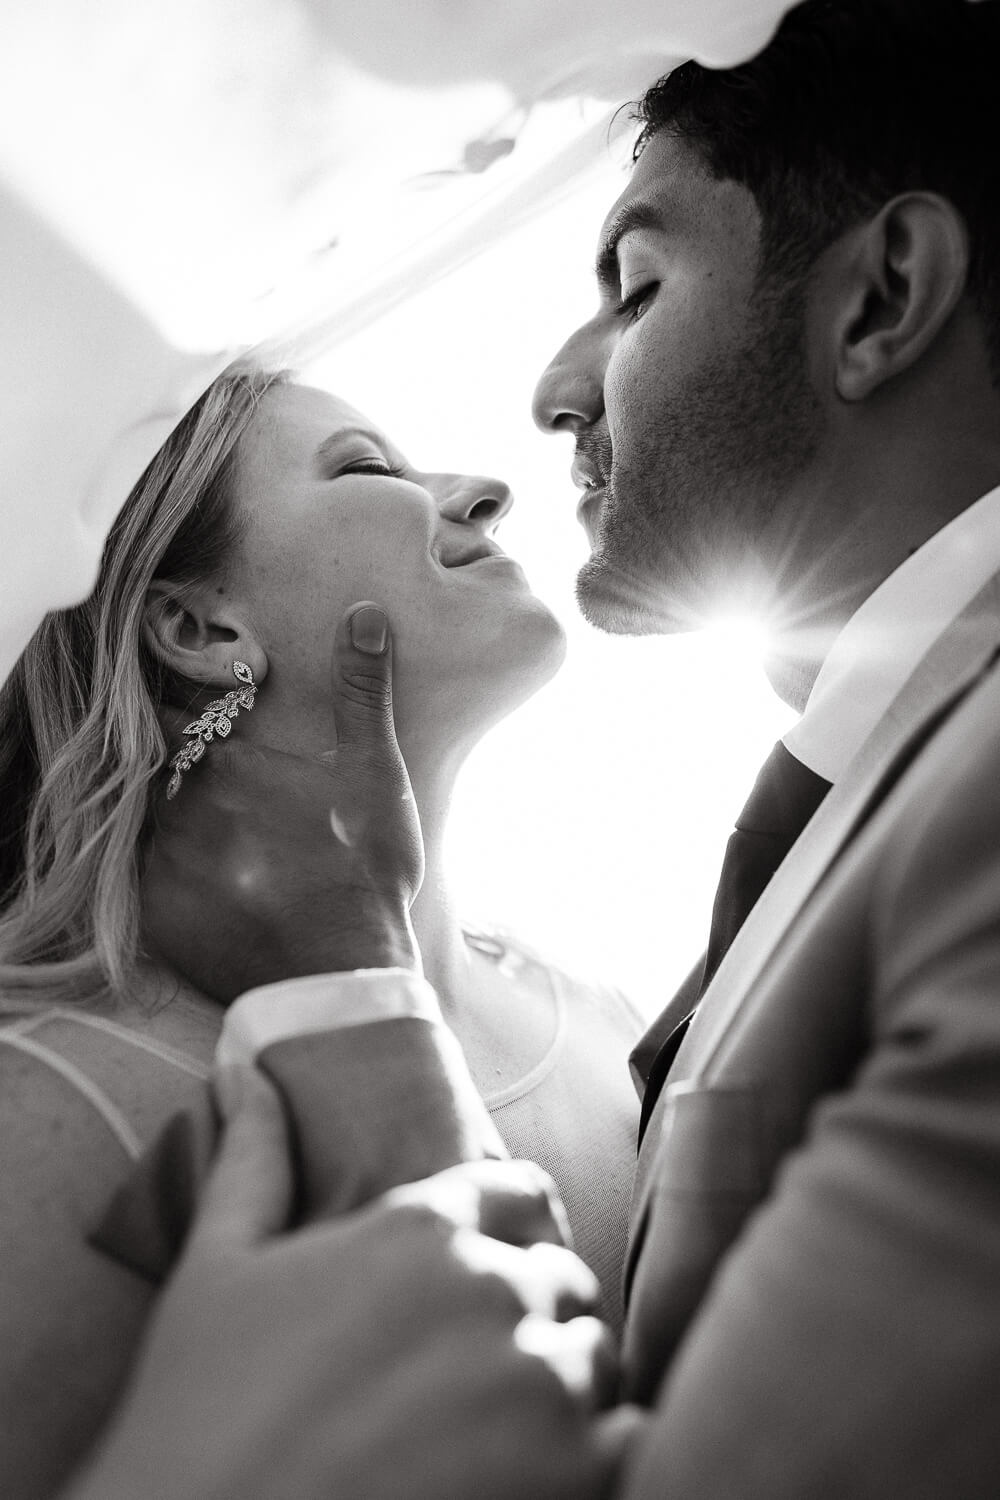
(197, 635)
(906, 271)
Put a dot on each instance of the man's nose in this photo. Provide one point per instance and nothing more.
(473, 499)
(570, 394)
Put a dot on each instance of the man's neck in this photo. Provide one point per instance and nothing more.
(881, 511)
(791, 680)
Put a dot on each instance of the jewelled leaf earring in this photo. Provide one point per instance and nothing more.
(216, 720)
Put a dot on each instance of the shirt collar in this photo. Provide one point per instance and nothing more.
(890, 633)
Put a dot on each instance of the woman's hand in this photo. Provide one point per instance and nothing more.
(269, 866)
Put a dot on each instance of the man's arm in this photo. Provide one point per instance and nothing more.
(284, 873)
(400, 1353)
(270, 866)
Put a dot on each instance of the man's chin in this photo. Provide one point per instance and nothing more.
(619, 601)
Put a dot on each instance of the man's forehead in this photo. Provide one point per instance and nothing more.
(655, 186)
(671, 188)
(667, 170)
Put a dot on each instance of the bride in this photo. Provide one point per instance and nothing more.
(271, 508)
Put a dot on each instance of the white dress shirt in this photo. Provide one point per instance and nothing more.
(889, 634)
(321, 1002)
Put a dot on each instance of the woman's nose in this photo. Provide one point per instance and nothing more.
(474, 499)
(570, 393)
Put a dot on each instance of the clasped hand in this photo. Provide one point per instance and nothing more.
(434, 1345)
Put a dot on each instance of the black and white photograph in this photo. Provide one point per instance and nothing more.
(499, 750)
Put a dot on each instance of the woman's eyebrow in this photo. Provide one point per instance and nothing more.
(332, 447)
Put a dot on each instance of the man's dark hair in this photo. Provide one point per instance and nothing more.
(853, 102)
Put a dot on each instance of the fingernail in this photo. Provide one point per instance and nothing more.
(227, 1083)
(370, 630)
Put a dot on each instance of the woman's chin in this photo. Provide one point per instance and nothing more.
(531, 647)
(463, 698)
(523, 661)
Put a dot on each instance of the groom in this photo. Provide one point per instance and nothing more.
(788, 400)
(789, 393)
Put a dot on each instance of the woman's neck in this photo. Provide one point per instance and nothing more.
(504, 1025)
(435, 920)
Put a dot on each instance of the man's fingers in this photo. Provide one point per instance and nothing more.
(619, 1431)
(520, 1203)
(581, 1352)
(545, 1280)
(248, 1194)
(513, 1201)
(554, 1282)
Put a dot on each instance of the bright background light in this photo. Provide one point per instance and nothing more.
(593, 822)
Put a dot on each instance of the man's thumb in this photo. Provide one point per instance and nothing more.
(362, 675)
(248, 1194)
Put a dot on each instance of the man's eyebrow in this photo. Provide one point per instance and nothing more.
(630, 216)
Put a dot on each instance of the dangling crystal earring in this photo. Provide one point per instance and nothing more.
(217, 719)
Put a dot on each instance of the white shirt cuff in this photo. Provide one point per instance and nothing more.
(321, 1002)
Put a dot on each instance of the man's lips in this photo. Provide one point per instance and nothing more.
(586, 474)
(588, 510)
(588, 477)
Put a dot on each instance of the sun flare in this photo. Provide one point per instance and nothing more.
(739, 635)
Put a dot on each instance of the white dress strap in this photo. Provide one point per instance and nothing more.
(152, 1045)
(96, 1097)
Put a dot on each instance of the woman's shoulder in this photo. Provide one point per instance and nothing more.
(577, 992)
(63, 1307)
(64, 1141)
(102, 1062)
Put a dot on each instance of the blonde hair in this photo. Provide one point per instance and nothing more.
(80, 742)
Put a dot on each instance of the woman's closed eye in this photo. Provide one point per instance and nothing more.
(377, 466)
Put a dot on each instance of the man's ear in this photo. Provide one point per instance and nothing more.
(906, 271)
(197, 635)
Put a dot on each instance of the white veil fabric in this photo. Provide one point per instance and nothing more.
(180, 183)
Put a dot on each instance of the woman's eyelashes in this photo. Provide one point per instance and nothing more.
(377, 466)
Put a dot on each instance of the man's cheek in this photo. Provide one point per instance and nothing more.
(628, 390)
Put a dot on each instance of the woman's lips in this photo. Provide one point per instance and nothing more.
(492, 560)
(486, 555)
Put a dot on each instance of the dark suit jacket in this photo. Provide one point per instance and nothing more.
(814, 1270)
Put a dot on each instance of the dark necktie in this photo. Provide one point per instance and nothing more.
(784, 798)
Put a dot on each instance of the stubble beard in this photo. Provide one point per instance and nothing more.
(689, 498)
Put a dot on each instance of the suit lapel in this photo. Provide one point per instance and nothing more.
(943, 677)
(673, 1015)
